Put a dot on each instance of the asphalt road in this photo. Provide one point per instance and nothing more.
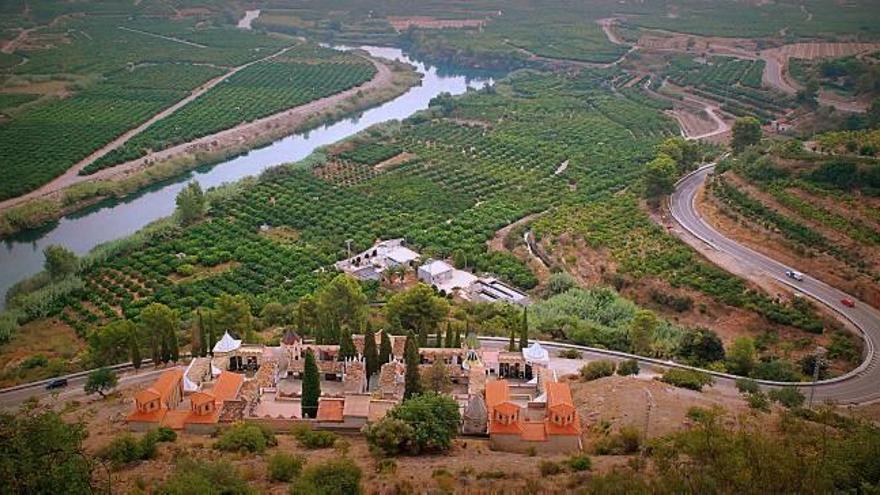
(74, 389)
(860, 386)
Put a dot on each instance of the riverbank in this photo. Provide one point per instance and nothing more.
(393, 78)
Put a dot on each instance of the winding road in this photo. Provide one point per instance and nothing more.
(857, 387)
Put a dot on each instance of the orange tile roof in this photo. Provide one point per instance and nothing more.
(199, 398)
(496, 428)
(162, 387)
(227, 386)
(497, 391)
(506, 408)
(558, 394)
(330, 409)
(574, 428)
(175, 419)
(146, 395)
(534, 432)
(212, 418)
(148, 417)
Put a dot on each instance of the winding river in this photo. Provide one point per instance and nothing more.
(22, 255)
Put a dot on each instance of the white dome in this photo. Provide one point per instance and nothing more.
(227, 343)
(536, 354)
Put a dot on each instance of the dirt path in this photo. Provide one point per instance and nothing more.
(608, 27)
(233, 136)
(167, 38)
(686, 113)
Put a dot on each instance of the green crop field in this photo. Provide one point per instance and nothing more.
(301, 75)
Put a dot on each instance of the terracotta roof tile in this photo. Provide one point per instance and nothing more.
(497, 391)
(227, 387)
(534, 432)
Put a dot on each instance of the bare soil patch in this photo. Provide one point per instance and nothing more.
(201, 272)
(394, 161)
(50, 337)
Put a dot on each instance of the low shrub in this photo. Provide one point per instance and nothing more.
(690, 379)
(549, 468)
(388, 436)
(597, 369)
(579, 462)
(334, 477)
(758, 401)
(285, 467)
(127, 449)
(191, 476)
(626, 441)
(165, 434)
(747, 386)
(244, 437)
(313, 439)
(492, 475)
(789, 397)
(571, 354)
(628, 367)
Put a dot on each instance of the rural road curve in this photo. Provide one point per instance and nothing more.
(859, 386)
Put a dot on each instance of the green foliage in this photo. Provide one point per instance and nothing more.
(660, 175)
(333, 477)
(571, 354)
(388, 436)
(624, 442)
(412, 376)
(758, 401)
(313, 439)
(386, 352)
(371, 354)
(437, 378)
(434, 419)
(701, 347)
(190, 203)
(776, 370)
(212, 478)
(597, 369)
(741, 356)
(641, 332)
(285, 467)
(628, 368)
(417, 310)
(101, 381)
(694, 380)
(60, 261)
(789, 397)
(127, 449)
(746, 132)
(340, 304)
(579, 462)
(112, 343)
(560, 282)
(244, 437)
(747, 386)
(311, 387)
(165, 434)
(42, 452)
(549, 468)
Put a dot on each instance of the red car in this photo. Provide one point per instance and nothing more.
(848, 303)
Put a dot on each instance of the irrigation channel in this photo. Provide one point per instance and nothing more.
(22, 255)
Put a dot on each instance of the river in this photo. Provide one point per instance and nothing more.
(22, 255)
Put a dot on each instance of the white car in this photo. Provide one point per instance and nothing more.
(795, 275)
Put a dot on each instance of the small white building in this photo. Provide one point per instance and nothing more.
(488, 289)
(369, 264)
(445, 277)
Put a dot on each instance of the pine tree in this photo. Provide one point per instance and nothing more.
(135, 348)
(311, 386)
(386, 352)
(524, 330)
(413, 380)
(346, 346)
(371, 355)
(449, 336)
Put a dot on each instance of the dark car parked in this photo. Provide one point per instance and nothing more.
(58, 383)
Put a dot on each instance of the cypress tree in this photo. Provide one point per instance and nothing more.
(511, 346)
(386, 352)
(449, 336)
(155, 352)
(423, 337)
(413, 380)
(524, 330)
(457, 341)
(173, 346)
(346, 346)
(135, 348)
(164, 351)
(371, 355)
(311, 386)
(203, 337)
(439, 340)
